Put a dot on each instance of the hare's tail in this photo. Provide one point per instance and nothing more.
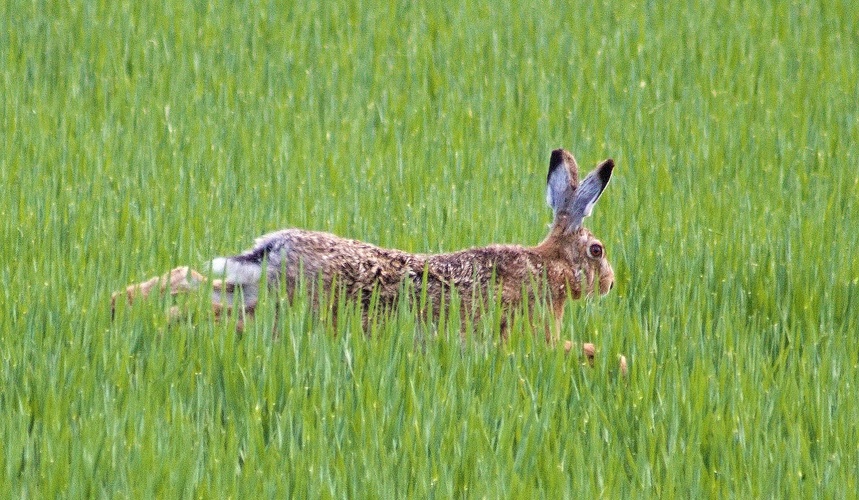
(236, 270)
(247, 268)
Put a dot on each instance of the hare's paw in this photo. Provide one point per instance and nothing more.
(589, 351)
(624, 370)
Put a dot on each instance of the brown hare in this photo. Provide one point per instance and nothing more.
(570, 262)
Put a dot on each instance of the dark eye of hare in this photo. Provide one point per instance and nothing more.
(595, 250)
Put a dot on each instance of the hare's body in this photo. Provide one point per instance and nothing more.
(360, 270)
(570, 262)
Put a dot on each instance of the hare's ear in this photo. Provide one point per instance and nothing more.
(562, 181)
(589, 192)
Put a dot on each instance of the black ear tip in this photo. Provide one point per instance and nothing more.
(605, 169)
(557, 158)
(561, 156)
(555, 161)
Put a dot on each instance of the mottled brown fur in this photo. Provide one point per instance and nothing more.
(551, 271)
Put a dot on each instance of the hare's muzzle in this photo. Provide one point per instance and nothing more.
(606, 278)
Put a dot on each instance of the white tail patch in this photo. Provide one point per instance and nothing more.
(236, 272)
(219, 266)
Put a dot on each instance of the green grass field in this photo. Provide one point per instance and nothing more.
(138, 136)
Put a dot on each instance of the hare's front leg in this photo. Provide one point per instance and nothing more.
(588, 349)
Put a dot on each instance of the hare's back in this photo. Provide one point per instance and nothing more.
(479, 266)
(316, 253)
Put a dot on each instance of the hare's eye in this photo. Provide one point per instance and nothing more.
(595, 251)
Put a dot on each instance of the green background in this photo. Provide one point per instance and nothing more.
(137, 136)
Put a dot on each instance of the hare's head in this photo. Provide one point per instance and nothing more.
(571, 202)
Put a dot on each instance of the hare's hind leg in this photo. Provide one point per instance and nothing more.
(184, 280)
(180, 280)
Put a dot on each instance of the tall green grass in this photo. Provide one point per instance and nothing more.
(137, 136)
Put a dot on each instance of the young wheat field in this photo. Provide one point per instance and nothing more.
(139, 136)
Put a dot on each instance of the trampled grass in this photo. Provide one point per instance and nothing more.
(137, 136)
